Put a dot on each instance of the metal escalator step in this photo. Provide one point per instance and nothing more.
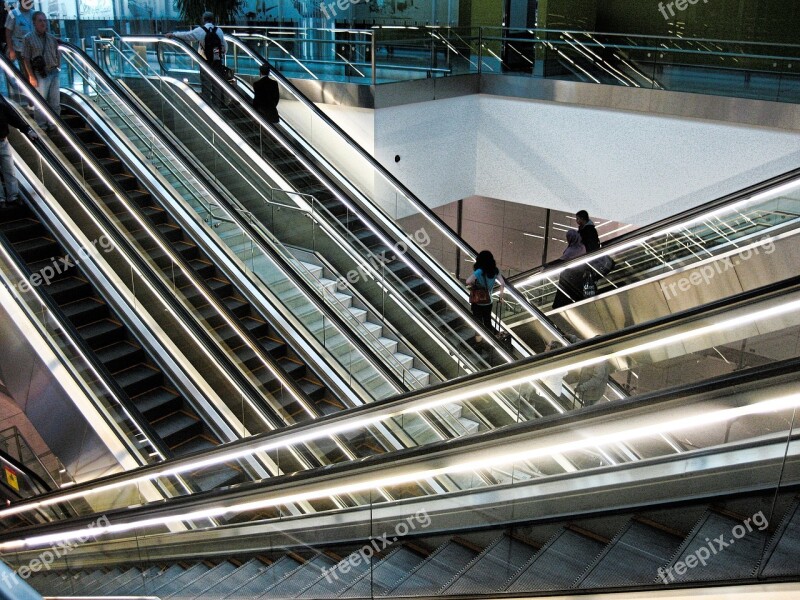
(177, 428)
(226, 584)
(38, 248)
(165, 586)
(85, 310)
(385, 575)
(784, 549)
(197, 586)
(440, 566)
(492, 569)
(290, 586)
(22, 229)
(730, 558)
(558, 564)
(138, 379)
(95, 579)
(333, 581)
(157, 403)
(118, 582)
(152, 579)
(265, 578)
(137, 580)
(102, 333)
(68, 289)
(121, 355)
(633, 557)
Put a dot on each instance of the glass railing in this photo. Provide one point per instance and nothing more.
(695, 258)
(220, 221)
(257, 251)
(386, 55)
(698, 350)
(324, 229)
(413, 228)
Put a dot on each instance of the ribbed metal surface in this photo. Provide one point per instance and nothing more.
(264, 579)
(334, 581)
(89, 583)
(158, 579)
(558, 564)
(233, 581)
(203, 582)
(728, 557)
(492, 569)
(784, 555)
(385, 575)
(439, 567)
(137, 582)
(165, 588)
(116, 583)
(633, 558)
(290, 586)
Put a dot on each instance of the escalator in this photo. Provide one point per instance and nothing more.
(346, 235)
(143, 384)
(636, 527)
(714, 410)
(730, 245)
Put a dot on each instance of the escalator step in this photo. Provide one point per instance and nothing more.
(292, 368)
(39, 248)
(138, 379)
(440, 566)
(632, 557)
(385, 574)
(196, 444)
(492, 569)
(737, 559)
(102, 332)
(68, 289)
(157, 403)
(202, 267)
(177, 428)
(558, 564)
(86, 310)
(22, 229)
(121, 355)
(785, 547)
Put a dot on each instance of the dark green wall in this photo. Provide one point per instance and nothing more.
(748, 20)
(480, 13)
(567, 14)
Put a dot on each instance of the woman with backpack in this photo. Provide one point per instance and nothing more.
(485, 275)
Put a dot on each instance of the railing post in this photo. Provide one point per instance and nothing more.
(373, 58)
(480, 50)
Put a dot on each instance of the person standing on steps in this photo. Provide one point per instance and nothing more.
(485, 275)
(40, 55)
(19, 23)
(212, 47)
(266, 95)
(9, 191)
(587, 231)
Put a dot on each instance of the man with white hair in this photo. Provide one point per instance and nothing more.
(212, 47)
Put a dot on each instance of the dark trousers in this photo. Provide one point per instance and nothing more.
(483, 314)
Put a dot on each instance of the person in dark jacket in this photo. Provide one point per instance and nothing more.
(586, 228)
(266, 97)
(9, 192)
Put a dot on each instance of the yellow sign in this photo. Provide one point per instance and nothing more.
(11, 479)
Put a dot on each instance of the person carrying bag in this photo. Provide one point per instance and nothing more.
(481, 283)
